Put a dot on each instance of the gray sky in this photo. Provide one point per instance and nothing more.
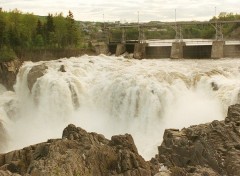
(127, 10)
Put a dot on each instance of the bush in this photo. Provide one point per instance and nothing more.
(7, 54)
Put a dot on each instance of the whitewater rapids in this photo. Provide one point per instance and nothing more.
(113, 95)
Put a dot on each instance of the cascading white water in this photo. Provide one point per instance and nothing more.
(111, 95)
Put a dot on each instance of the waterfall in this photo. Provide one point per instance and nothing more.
(113, 95)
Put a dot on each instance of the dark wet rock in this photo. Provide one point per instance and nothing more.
(206, 149)
(233, 114)
(78, 153)
(74, 95)
(62, 68)
(8, 73)
(36, 72)
(214, 86)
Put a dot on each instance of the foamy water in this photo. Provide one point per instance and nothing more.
(111, 95)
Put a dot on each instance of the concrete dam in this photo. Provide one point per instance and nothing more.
(187, 48)
(177, 48)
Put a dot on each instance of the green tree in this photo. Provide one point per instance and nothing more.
(50, 24)
(7, 54)
(73, 32)
(61, 31)
(27, 32)
(2, 29)
(39, 28)
(49, 31)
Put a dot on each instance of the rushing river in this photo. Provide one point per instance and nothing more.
(111, 95)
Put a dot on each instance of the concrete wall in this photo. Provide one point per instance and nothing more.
(139, 50)
(197, 51)
(217, 49)
(231, 51)
(158, 52)
(189, 52)
(121, 48)
(177, 50)
(102, 48)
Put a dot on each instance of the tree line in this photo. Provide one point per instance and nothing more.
(19, 31)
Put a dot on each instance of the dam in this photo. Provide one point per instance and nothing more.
(187, 49)
(177, 48)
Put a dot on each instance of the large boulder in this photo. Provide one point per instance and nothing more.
(8, 72)
(212, 148)
(78, 153)
(36, 72)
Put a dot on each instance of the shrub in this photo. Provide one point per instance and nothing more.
(7, 54)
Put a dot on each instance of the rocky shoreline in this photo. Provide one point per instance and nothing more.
(210, 149)
(8, 72)
(78, 153)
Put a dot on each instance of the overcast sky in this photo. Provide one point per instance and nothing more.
(127, 10)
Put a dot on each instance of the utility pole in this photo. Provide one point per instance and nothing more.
(175, 17)
(138, 17)
(215, 12)
(176, 29)
(218, 27)
(215, 16)
(139, 32)
(103, 21)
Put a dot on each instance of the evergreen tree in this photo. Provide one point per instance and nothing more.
(49, 30)
(73, 34)
(2, 29)
(39, 29)
(50, 24)
(38, 38)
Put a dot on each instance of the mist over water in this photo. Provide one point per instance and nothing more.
(111, 95)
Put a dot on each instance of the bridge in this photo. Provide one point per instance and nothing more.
(176, 48)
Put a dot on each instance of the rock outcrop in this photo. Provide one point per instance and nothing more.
(208, 149)
(8, 73)
(78, 153)
(36, 72)
(211, 149)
